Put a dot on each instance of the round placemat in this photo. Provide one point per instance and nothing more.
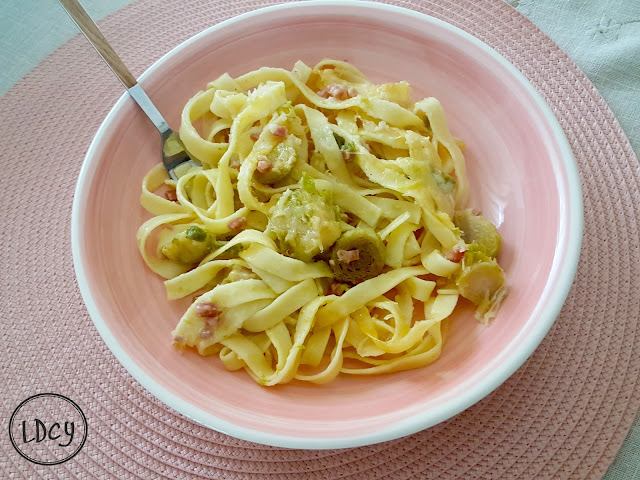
(563, 415)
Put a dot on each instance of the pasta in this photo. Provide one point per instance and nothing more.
(325, 230)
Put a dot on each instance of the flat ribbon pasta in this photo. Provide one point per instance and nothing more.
(294, 165)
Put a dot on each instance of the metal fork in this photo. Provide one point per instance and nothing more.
(173, 151)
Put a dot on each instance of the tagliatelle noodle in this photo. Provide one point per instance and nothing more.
(386, 163)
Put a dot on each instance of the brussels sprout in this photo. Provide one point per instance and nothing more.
(304, 221)
(278, 163)
(479, 231)
(481, 280)
(196, 233)
(357, 255)
(445, 182)
(232, 252)
(343, 145)
(189, 246)
(478, 283)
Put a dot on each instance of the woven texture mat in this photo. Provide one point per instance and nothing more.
(563, 415)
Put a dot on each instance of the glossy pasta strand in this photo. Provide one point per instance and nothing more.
(293, 159)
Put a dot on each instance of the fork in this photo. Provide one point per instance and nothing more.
(173, 151)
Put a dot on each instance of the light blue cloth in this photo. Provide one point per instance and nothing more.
(32, 29)
(602, 37)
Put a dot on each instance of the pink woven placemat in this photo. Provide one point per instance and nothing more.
(563, 415)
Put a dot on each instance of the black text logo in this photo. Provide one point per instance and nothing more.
(48, 429)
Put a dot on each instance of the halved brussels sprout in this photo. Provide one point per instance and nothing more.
(189, 246)
(478, 230)
(357, 255)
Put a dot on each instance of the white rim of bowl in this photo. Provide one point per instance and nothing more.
(414, 423)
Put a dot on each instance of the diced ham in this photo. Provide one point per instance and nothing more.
(171, 195)
(264, 164)
(456, 254)
(211, 314)
(207, 310)
(348, 256)
(211, 323)
(205, 333)
(338, 91)
(278, 130)
(237, 223)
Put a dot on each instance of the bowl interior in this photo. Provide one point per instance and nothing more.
(517, 177)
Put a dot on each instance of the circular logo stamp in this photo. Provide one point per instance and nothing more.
(48, 429)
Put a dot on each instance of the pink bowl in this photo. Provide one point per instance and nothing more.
(522, 175)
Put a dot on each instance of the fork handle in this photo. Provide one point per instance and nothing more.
(84, 22)
(87, 26)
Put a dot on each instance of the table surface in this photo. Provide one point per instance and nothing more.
(603, 38)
